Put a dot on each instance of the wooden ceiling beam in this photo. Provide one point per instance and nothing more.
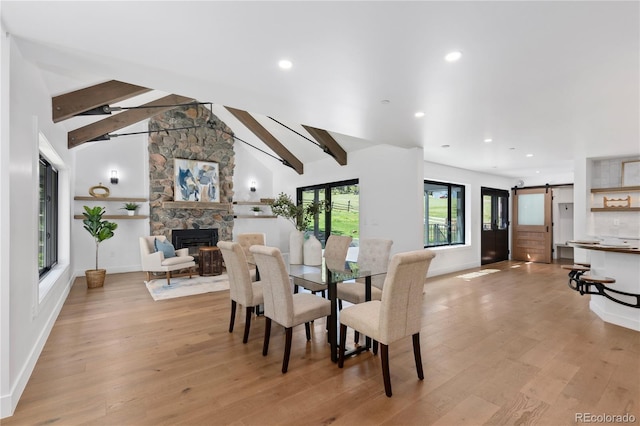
(74, 103)
(328, 143)
(124, 119)
(258, 129)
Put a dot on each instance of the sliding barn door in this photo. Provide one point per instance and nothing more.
(531, 238)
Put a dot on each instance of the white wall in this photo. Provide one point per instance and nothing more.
(94, 162)
(26, 319)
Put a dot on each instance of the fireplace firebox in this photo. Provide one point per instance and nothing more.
(193, 239)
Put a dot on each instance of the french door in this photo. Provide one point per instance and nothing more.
(495, 226)
(531, 238)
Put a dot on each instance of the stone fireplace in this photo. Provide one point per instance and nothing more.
(200, 141)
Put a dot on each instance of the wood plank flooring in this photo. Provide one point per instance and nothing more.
(516, 347)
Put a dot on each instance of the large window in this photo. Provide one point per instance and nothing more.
(343, 218)
(48, 217)
(443, 214)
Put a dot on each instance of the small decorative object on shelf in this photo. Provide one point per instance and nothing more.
(617, 202)
(99, 191)
(256, 210)
(130, 208)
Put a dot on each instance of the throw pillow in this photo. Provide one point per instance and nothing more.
(166, 247)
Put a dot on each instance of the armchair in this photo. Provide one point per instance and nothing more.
(155, 261)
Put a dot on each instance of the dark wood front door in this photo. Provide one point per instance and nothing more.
(531, 240)
(495, 226)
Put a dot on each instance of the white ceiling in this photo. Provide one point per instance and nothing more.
(558, 80)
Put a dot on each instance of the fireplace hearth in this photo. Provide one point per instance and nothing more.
(193, 239)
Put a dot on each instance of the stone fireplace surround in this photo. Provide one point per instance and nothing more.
(202, 143)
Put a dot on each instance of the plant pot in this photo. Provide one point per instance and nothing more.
(312, 251)
(95, 277)
(131, 212)
(296, 241)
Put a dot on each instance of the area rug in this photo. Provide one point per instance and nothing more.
(185, 286)
(472, 275)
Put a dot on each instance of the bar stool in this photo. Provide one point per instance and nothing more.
(575, 272)
(586, 281)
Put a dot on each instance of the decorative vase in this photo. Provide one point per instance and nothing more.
(312, 251)
(296, 241)
(95, 277)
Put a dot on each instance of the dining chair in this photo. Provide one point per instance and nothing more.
(281, 304)
(372, 252)
(242, 290)
(247, 240)
(335, 250)
(398, 314)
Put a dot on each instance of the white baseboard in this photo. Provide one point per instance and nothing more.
(631, 323)
(8, 403)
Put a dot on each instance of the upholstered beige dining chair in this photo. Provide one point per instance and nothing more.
(242, 290)
(398, 314)
(154, 259)
(281, 304)
(335, 251)
(247, 240)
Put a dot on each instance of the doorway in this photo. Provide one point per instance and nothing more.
(531, 238)
(495, 226)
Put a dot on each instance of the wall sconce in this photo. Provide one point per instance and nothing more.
(114, 177)
(252, 188)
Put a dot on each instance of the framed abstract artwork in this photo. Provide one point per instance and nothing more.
(196, 181)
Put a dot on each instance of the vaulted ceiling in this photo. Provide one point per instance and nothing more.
(558, 80)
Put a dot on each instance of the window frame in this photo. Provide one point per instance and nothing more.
(460, 220)
(48, 219)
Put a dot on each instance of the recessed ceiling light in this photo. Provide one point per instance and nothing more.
(453, 56)
(285, 64)
(529, 155)
(537, 171)
(419, 114)
(445, 146)
(488, 140)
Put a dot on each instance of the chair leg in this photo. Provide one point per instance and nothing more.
(375, 347)
(232, 320)
(307, 329)
(148, 276)
(168, 277)
(417, 355)
(247, 324)
(295, 288)
(385, 368)
(343, 343)
(287, 349)
(267, 334)
(356, 337)
(339, 304)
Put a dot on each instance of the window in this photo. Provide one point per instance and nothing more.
(48, 218)
(443, 214)
(344, 216)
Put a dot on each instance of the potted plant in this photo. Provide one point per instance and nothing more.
(130, 208)
(100, 230)
(256, 210)
(301, 217)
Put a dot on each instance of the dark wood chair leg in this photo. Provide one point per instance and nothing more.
(356, 337)
(307, 329)
(385, 368)
(287, 349)
(343, 344)
(295, 288)
(168, 277)
(339, 304)
(417, 355)
(375, 347)
(267, 334)
(247, 324)
(232, 320)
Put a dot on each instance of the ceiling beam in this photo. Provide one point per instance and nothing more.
(74, 103)
(258, 129)
(328, 143)
(124, 119)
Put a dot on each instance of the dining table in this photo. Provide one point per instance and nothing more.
(329, 274)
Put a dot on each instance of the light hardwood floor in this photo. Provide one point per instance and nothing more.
(515, 347)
